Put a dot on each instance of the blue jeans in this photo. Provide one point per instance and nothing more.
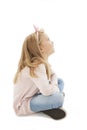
(40, 102)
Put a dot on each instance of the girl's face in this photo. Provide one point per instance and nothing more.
(46, 45)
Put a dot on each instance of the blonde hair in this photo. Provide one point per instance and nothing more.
(31, 55)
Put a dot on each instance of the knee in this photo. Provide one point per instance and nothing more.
(60, 84)
(61, 100)
(60, 81)
(58, 100)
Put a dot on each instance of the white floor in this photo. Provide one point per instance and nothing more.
(69, 31)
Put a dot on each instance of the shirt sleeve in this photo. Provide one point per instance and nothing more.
(54, 79)
(42, 82)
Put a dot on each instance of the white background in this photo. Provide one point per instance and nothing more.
(65, 22)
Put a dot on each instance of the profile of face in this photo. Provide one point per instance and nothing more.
(46, 46)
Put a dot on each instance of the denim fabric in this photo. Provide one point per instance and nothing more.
(60, 85)
(40, 102)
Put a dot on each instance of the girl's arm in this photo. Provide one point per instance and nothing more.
(42, 82)
(53, 78)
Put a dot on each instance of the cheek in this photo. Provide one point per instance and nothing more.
(50, 47)
(47, 48)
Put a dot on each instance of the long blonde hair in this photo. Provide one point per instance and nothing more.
(31, 55)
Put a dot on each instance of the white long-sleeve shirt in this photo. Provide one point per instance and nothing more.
(26, 87)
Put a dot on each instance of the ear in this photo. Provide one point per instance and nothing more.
(42, 49)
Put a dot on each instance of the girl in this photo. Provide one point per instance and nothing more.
(36, 86)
